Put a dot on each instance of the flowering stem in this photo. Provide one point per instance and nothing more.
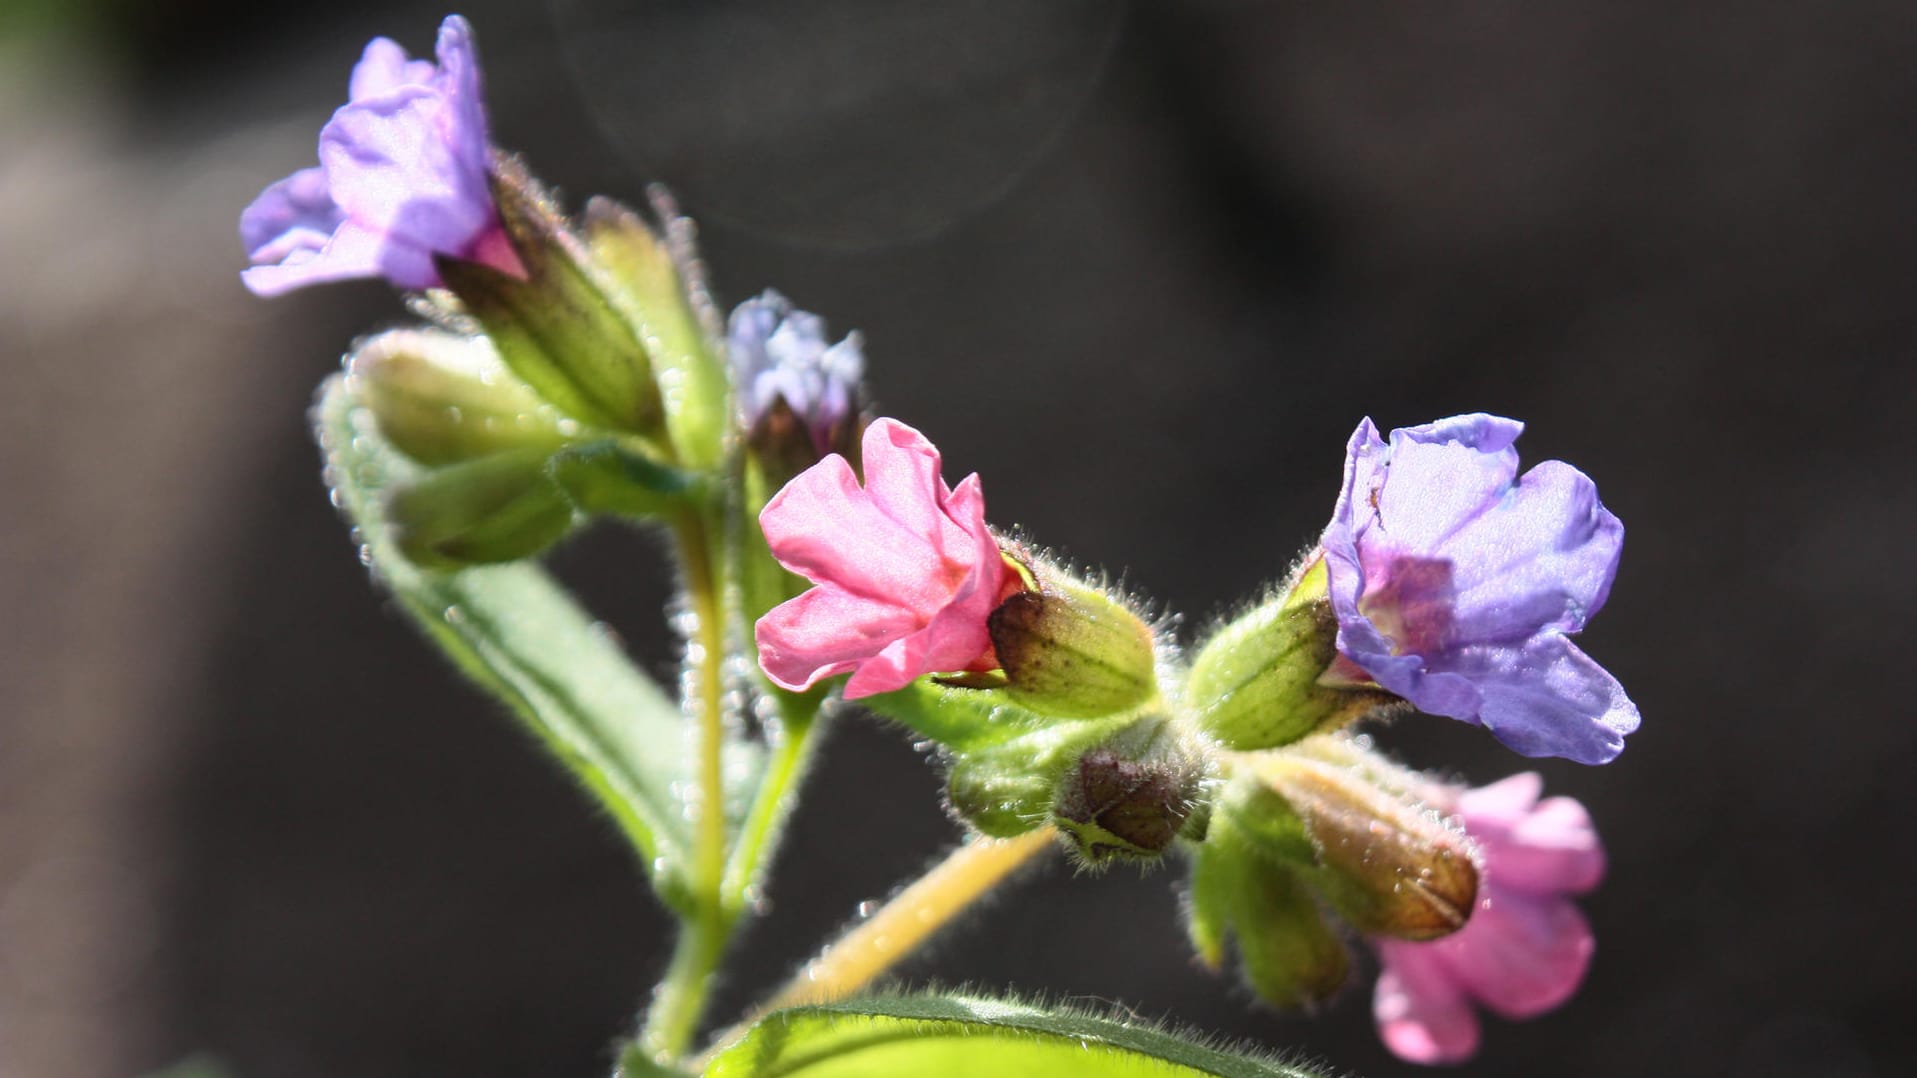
(705, 930)
(880, 941)
(759, 834)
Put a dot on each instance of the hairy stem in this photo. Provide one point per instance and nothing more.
(759, 835)
(704, 931)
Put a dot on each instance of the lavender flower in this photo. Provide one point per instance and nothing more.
(1455, 583)
(403, 176)
(779, 353)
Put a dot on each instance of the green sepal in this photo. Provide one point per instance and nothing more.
(652, 287)
(1260, 681)
(557, 328)
(519, 636)
(480, 512)
(1130, 795)
(1007, 788)
(442, 399)
(605, 477)
(636, 1062)
(959, 1034)
(1071, 651)
(960, 719)
(1385, 861)
(1288, 952)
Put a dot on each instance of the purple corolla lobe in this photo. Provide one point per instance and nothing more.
(1456, 583)
(404, 176)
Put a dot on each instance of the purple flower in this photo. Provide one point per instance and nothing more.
(1526, 947)
(403, 176)
(1455, 583)
(779, 352)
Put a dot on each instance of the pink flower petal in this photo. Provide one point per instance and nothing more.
(1422, 1016)
(906, 570)
(1526, 947)
(1518, 955)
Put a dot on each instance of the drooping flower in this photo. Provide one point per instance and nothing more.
(904, 570)
(780, 354)
(403, 176)
(1455, 583)
(1526, 947)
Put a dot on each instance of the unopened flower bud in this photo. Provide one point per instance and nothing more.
(441, 399)
(1071, 651)
(1005, 787)
(1389, 865)
(1131, 795)
(798, 394)
(558, 328)
(494, 509)
(657, 281)
(1272, 676)
(1289, 953)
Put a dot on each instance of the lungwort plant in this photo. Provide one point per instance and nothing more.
(573, 368)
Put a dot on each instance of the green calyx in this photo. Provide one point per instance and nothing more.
(1129, 796)
(442, 399)
(1261, 681)
(655, 280)
(1385, 861)
(1069, 650)
(1289, 953)
(495, 509)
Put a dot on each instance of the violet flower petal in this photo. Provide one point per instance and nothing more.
(780, 352)
(1454, 580)
(403, 177)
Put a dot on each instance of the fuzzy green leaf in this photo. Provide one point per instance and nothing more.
(517, 633)
(962, 1034)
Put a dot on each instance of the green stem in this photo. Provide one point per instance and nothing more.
(764, 822)
(680, 1000)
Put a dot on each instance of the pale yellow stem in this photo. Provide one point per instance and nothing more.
(896, 929)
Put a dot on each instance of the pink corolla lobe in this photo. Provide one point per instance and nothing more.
(905, 571)
(1526, 947)
(404, 176)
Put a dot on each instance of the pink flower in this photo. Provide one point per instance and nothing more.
(1526, 947)
(905, 570)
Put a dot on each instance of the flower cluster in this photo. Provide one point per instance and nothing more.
(581, 370)
(1445, 580)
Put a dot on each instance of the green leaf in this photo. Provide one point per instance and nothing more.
(517, 633)
(963, 1035)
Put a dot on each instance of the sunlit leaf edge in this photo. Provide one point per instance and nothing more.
(764, 1051)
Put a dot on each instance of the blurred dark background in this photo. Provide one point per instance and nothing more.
(1143, 267)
